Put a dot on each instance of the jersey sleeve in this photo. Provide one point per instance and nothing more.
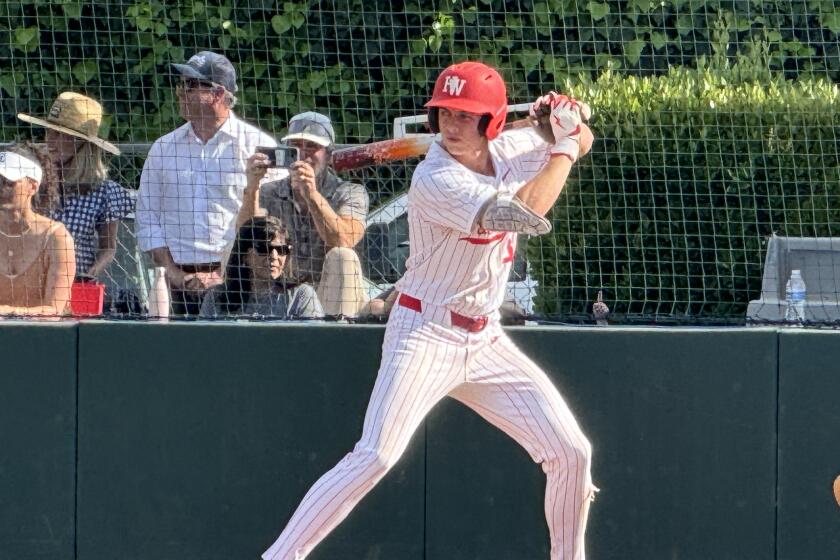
(449, 195)
(525, 151)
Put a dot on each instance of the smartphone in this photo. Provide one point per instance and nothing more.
(281, 156)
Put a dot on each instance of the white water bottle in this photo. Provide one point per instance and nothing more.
(795, 296)
(159, 295)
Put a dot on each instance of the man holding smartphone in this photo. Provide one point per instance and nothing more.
(325, 215)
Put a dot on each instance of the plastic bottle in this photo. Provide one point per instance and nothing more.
(795, 296)
(159, 296)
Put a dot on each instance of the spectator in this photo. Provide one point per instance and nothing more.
(379, 307)
(193, 179)
(255, 285)
(325, 215)
(37, 260)
(89, 204)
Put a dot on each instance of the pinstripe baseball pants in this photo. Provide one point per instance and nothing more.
(425, 359)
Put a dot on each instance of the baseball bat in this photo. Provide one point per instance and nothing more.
(398, 149)
(395, 149)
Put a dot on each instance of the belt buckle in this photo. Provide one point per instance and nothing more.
(477, 325)
(469, 324)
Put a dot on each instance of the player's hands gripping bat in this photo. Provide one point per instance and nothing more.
(559, 118)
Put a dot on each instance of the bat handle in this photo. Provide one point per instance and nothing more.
(542, 124)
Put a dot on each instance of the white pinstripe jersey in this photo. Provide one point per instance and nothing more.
(453, 262)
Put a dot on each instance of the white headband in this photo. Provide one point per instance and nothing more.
(15, 167)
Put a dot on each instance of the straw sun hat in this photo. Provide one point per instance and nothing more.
(76, 115)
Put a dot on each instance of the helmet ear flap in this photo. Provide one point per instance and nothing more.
(433, 120)
(483, 123)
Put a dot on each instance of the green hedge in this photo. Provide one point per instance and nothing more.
(368, 61)
(690, 173)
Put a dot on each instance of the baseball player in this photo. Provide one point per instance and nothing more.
(477, 189)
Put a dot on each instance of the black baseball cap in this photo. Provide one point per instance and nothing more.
(210, 67)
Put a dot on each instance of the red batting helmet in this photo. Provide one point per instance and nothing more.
(473, 87)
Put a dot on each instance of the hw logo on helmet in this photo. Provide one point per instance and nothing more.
(453, 85)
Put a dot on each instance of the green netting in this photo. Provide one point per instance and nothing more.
(715, 123)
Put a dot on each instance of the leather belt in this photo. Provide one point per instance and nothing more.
(469, 324)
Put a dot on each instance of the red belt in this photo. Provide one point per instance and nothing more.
(469, 324)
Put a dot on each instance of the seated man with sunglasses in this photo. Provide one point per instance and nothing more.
(255, 285)
(325, 215)
(193, 181)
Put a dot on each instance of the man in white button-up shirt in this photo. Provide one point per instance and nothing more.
(193, 180)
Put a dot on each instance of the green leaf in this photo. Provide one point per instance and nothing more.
(161, 46)
(85, 71)
(8, 84)
(316, 81)
(280, 24)
(72, 10)
(598, 10)
(658, 40)
(177, 53)
(26, 38)
(642, 6)
(772, 36)
(554, 65)
(633, 51)
(417, 47)
(528, 58)
(685, 24)
(832, 21)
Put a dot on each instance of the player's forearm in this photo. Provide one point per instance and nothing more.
(541, 193)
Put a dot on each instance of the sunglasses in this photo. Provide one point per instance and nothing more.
(190, 84)
(264, 248)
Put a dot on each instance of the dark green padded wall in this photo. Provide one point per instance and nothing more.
(37, 440)
(683, 428)
(198, 441)
(809, 445)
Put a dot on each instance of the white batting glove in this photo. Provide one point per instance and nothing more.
(564, 114)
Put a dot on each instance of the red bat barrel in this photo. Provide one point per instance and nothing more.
(379, 153)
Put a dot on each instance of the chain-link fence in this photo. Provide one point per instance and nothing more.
(715, 128)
